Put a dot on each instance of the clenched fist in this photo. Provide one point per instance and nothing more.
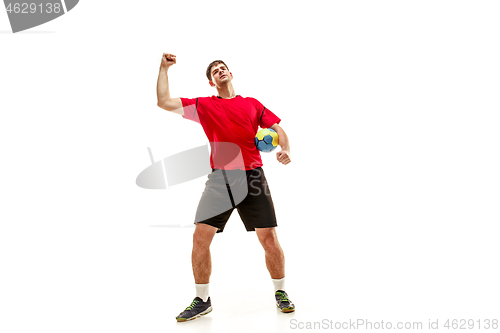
(283, 156)
(168, 60)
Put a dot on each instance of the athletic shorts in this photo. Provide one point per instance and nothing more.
(245, 190)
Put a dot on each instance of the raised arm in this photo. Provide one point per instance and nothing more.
(283, 156)
(162, 91)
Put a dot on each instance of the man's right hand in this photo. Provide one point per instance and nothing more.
(168, 60)
(162, 91)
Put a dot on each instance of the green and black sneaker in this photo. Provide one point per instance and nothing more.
(283, 302)
(196, 309)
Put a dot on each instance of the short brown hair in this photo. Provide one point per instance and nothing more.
(214, 63)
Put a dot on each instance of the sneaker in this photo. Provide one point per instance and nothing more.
(196, 309)
(283, 302)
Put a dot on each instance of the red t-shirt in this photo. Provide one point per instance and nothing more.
(230, 126)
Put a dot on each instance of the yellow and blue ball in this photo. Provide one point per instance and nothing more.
(266, 140)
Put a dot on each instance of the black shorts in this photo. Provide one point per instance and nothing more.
(245, 190)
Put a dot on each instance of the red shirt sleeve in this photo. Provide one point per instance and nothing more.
(266, 117)
(190, 106)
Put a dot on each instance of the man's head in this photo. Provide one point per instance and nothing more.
(218, 72)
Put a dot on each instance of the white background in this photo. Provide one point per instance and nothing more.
(388, 211)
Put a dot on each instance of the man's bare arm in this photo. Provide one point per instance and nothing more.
(283, 156)
(162, 91)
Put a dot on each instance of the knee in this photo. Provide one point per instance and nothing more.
(202, 239)
(199, 241)
(270, 243)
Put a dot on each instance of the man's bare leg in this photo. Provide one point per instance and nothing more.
(200, 258)
(275, 259)
(275, 262)
(202, 268)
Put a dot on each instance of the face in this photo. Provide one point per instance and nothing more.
(220, 75)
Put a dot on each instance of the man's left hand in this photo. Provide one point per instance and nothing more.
(283, 156)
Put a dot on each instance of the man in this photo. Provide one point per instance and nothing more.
(237, 179)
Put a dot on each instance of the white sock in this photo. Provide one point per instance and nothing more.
(279, 284)
(202, 291)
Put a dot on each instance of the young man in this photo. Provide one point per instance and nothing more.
(237, 181)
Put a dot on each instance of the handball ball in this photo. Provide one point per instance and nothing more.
(266, 140)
